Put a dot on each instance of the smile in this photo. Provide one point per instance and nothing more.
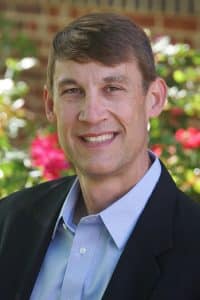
(99, 138)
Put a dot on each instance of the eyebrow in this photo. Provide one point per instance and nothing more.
(116, 78)
(66, 81)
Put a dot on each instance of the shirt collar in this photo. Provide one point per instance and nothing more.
(67, 210)
(120, 217)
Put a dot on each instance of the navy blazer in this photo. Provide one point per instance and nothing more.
(161, 260)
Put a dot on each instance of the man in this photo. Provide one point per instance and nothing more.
(121, 229)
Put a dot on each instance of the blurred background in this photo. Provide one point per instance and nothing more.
(29, 150)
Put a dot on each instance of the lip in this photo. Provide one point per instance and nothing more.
(98, 139)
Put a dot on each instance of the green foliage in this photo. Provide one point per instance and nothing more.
(176, 133)
(15, 166)
(13, 43)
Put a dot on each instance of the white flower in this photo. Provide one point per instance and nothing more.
(27, 63)
(6, 85)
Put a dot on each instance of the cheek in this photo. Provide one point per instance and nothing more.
(66, 115)
(65, 125)
(122, 109)
(128, 115)
(134, 120)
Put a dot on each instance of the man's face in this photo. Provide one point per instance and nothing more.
(102, 114)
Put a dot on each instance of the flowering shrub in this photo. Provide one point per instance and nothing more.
(20, 168)
(47, 155)
(175, 135)
(16, 170)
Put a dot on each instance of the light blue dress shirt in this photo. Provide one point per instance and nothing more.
(80, 259)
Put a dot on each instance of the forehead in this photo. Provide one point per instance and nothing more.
(95, 71)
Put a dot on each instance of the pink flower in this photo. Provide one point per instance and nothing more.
(157, 149)
(46, 154)
(189, 138)
(177, 111)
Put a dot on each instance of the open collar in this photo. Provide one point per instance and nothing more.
(121, 216)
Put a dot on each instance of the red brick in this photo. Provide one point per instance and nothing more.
(32, 25)
(53, 28)
(74, 12)
(181, 23)
(54, 11)
(143, 20)
(27, 8)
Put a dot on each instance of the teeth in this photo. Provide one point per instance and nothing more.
(100, 138)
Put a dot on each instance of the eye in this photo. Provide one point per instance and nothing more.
(72, 91)
(112, 88)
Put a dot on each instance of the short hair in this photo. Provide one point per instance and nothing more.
(107, 38)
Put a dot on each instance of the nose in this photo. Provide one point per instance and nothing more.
(92, 109)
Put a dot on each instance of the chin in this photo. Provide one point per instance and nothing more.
(95, 170)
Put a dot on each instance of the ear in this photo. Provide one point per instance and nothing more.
(49, 105)
(156, 97)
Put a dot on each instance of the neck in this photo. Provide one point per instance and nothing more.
(100, 192)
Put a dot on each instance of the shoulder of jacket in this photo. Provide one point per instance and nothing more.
(39, 189)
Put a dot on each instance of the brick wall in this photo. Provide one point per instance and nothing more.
(41, 19)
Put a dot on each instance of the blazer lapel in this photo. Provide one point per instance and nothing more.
(34, 225)
(137, 271)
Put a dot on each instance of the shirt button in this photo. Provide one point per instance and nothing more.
(82, 250)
